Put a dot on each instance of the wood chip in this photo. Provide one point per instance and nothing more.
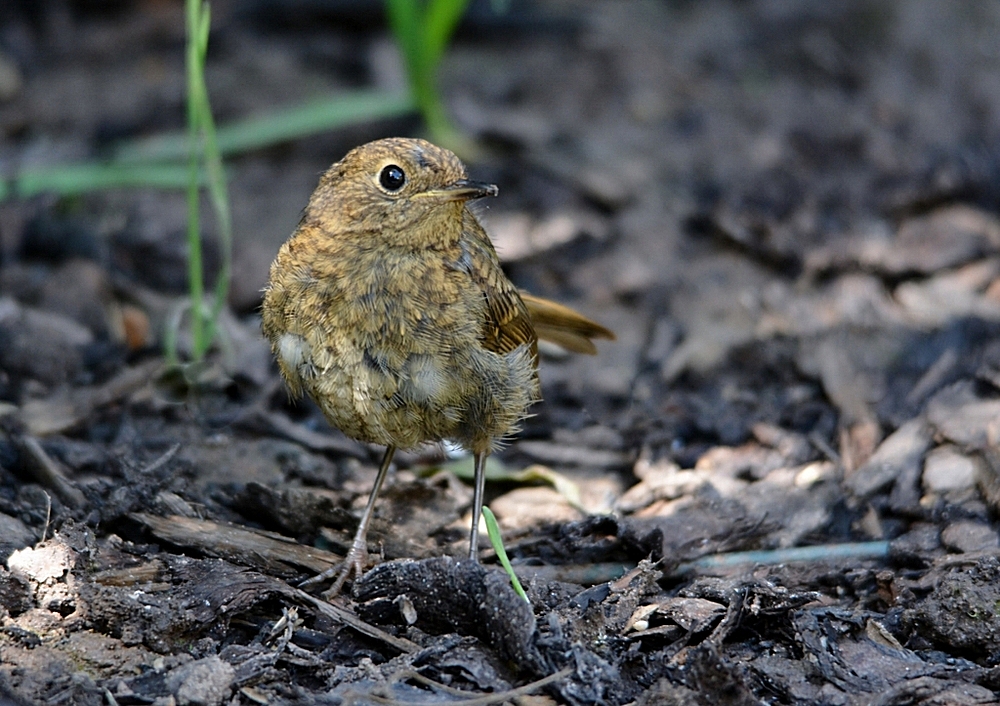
(265, 551)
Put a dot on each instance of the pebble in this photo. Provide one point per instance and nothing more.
(917, 545)
(966, 536)
(14, 535)
(530, 507)
(48, 562)
(204, 682)
(959, 415)
(901, 449)
(945, 469)
(79, 290)
(40, 345)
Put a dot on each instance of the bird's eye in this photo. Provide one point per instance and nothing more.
(392, 178)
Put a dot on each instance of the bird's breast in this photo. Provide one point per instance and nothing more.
(388, 344)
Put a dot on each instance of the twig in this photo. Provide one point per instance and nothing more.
(59, 414)
(162, 460)
(50, 474)
(933, 376)
(475, 700)
(820, 443)
(267, 551)
(284, 629)
(492, 698)
(278, 424)
(48, 514)
(349, 619)
(820, 552)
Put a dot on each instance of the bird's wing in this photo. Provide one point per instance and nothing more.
(507, 324)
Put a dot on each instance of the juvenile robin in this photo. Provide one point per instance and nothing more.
(388, 307)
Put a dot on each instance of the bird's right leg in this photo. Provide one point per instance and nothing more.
(357, 557)
(478, 492)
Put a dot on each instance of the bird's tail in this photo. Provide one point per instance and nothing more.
(563, 326)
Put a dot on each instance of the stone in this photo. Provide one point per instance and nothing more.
(946, 469)
(966, 536)
(204, 682)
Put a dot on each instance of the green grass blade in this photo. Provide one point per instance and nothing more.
(132, 167)
(406, 19)
(259, 132)
(72, 179)
(440, 21)
(422, 31)
(203, 25)
(493, 529)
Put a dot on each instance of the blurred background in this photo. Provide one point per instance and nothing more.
(685, 171)
(787, 211)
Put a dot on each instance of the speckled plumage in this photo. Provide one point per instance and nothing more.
(392, 312)
(389, 308)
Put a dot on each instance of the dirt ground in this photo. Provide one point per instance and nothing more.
(789, 212)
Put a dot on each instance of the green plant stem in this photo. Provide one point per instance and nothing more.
(194, 68)
(441, 18)
(422, 31)
(204, 151)
(218, 191)
(493, 530)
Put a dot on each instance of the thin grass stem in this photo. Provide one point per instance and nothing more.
(493, 530)
(194, 69)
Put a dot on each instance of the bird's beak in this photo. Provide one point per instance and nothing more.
(464, 190)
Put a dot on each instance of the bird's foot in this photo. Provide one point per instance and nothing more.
(353, 563)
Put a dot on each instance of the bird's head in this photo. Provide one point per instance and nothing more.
(392, 186)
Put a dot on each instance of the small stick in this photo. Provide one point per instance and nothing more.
(483, 700)
(162, 460)
(820, 552)
(50, 474)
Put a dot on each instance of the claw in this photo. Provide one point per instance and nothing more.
(354, 563)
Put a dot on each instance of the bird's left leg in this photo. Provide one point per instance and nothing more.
(356, 558)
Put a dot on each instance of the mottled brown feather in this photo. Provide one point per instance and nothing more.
(507, 324)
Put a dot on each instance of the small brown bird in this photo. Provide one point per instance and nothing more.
(389, 308)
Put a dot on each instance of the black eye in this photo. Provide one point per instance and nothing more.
(392, 178)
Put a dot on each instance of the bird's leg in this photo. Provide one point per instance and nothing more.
(477, 504)
(358, 555)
